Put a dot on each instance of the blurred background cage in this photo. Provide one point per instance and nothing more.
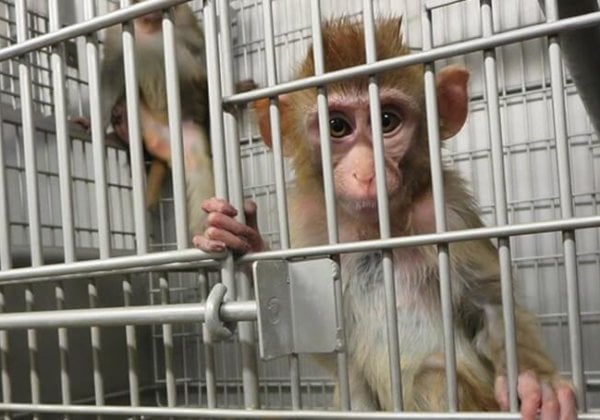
(57, 257)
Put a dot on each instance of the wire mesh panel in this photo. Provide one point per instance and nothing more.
(117, 315)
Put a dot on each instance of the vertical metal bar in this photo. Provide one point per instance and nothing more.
(100, 184)
(329, 191)
(495, 131)
(35, 234)
(137, 175)
(66, 180)
(383, 212)
(167, 330)
(215, 106)
(280, 188)
(209, 350)
(5, 264)
(246, 333)
(437, 178)
(175, 131)
(566, 207)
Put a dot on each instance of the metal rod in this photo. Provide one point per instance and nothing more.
(187, 412)
(33, 211)
(5, 264)
(438, 53)
(85, 28)
(167, 330)
(566, 207)
(391, 314)
(439, 204)
(175, 131)
(147, 261)
(497, 152)
(209, 350)
(132, 352)
(329, 192)
(65, 180)
(280, 187)
(135, 134)
(100, 184)
(246, 330)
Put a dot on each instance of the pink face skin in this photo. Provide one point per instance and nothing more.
(352, 146)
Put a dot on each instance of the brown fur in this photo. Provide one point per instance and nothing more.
(476, 291)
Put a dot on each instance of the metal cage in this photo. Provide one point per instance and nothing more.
(107, 311)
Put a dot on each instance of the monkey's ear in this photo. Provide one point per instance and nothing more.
(261, 107)
(453, 99)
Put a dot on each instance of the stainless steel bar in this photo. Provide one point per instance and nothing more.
(28, 133)
(93, 267)
(460, 48)
(213, 73)
(97, 132)
(33, 211)
(65, 180)
(495, 130)
(32, 347)
(427, 239)
(246, 331)
(100, 184)
(167, 331)
(85, 28)
(187, 412)
(280, 188)
(439, 204)
(175, 132)
(132, 351)
(5, 264)
(383, 213)
(209, 350)
(566, 208)
(135, 134)
(329, 191)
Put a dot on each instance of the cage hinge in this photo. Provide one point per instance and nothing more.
(296, 306)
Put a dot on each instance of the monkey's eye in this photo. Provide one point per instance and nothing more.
(390, 121)
(339, 127)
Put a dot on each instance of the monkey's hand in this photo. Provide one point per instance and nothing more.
(82, 122)
(223, 231)
(553, 397)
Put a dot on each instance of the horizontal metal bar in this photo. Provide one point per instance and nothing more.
(429, 239)
(473, 45)
(127, 315)
(148, 261)
(108, 410)
(87, 27)
(435, 4)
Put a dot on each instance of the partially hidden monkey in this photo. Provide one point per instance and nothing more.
(476, 294)
(150, 67)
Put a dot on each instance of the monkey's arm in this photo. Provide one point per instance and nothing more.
(539, 385)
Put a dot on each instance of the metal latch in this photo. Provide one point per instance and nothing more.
(296, 306)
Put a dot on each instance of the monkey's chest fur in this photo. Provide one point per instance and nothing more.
(420, 326)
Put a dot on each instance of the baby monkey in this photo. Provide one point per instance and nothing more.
(476, 292)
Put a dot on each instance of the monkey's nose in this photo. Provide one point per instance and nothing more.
(364, 178)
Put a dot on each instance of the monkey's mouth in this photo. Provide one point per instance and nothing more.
(363, 207)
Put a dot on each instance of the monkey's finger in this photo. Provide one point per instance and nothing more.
(218, 205)
(567, 401)
(235, 243)
(530, 394)
(208, 245)
(224, 222)
(550, 405)
(501, 392)
(250, 212)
